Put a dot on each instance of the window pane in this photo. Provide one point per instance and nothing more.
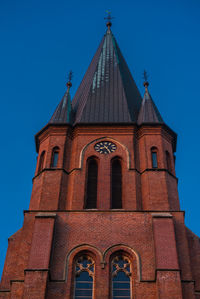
(154, 160)
(83, 292)
(121, 285)
(55, 159)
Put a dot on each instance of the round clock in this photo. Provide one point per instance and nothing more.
(105, 147)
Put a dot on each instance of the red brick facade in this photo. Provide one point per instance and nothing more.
(149, 229)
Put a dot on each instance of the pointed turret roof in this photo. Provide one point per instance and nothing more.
(107, 93)
(63, 111)
(148, 112)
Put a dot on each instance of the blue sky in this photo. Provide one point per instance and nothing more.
(42, 40)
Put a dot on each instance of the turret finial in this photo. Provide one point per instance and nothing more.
(145, 77)
(69, 83)
(108, 18)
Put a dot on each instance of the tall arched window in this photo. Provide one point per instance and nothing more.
(116, 184)
(54, 158)
(121, 277)
(91, 185)
(168, 161)
(84, 277)
(154, 157)
(41, 162)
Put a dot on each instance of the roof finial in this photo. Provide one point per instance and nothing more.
(146, 83)
(69, 83)
(108, 18)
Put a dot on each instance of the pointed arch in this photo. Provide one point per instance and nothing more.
(82, 153)
(116, 183)
(91, 183)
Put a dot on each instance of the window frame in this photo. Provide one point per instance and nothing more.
(56, 151)
(77, 258)
(130, 274)
(154, 157)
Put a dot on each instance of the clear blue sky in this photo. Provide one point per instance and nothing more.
(42, 40)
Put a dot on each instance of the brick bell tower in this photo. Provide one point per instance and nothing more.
(104, 218)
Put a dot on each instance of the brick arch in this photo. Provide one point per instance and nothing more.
(91, 250)
(127, 250)
(81, 158)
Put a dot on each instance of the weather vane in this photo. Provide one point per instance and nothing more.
(108, 18)
(70, 76)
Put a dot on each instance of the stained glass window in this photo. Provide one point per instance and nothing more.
(84, 276)
(121, 277)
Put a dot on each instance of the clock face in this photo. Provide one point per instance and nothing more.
(105, 147)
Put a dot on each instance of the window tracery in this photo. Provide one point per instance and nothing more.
(121, 282)
(84, 276)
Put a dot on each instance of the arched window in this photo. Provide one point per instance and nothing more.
(168, 161)
(54, 158)
(154, 157)
(41, 162)
(91, 185)
(121, 277)
(116, 184)
(84, 277)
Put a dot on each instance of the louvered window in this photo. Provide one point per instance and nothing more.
(91, 188)
(116, 184)
(121, 273)
(84, 276)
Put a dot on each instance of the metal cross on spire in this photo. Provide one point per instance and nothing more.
(108, 18)
(145, 77)
(70, 76)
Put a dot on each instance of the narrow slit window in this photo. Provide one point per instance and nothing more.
(121, 277)
(91, 187)
(84, 276)
(168, 161)
(154, 159)
(55, 156)
(116, 184)
(41, 162)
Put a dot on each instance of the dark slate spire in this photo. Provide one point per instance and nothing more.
(148, 111)
(107, 93)
(63, 111)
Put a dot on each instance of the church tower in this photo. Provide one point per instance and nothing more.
(104, 220)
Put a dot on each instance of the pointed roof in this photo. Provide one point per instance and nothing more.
(63, 111)
(148, 112)
(107, 93)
